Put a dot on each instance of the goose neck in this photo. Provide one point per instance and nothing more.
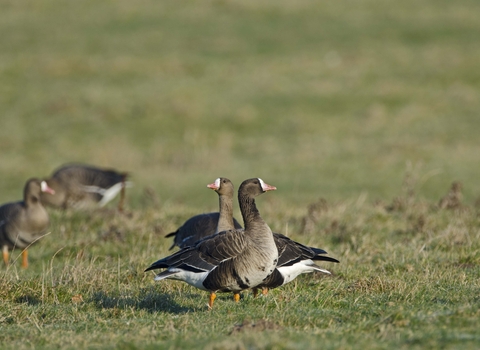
(225, 220)
(249, 210)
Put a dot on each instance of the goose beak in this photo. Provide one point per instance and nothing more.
(215, 186)
(266, 187)
(212, 186)
(44, 187)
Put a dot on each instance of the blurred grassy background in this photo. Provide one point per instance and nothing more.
(334, 99)
(321, 99)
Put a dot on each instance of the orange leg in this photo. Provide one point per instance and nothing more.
(211, 300)
(264, 290)
(25, 259)
(5, 254)
(236, 297)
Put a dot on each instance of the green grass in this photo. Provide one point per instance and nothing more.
(407, 278)
(355, 102)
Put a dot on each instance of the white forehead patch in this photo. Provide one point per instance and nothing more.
(43, 186)
(217, 182)
(262, 183)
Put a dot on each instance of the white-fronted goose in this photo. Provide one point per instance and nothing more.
(293, 258)
(230, 261)
(203, 225)
(81, 186)
(24, 222)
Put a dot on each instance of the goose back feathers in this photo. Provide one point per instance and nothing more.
(203, 225)
(196, 228)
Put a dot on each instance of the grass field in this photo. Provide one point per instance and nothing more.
(361, 113)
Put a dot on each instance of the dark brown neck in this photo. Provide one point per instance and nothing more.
(249, 210)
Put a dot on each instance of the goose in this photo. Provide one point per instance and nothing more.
(293, 258)
(23, 223)
(229, 261)
(81, 186)
(203, 225)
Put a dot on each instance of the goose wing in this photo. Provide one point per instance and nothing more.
(222, 246)
(9, 211)
(188, 259)
(291, 252)
(325, 258)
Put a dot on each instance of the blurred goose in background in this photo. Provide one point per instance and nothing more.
(293, 258)
(81, 186)
(230, 261)
(23, 223)
(203, 225)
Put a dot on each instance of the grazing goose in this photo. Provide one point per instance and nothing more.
(22, 223)
(203, 225)
(293, 258)
(80, 186)
(232, 260)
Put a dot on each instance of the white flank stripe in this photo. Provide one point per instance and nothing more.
(110, 193)
(289, 273)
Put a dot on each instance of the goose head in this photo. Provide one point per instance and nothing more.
(222, 186)
(33, 189)
(254, 187)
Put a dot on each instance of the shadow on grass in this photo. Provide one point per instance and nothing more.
(28, 299)
(145, 300)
